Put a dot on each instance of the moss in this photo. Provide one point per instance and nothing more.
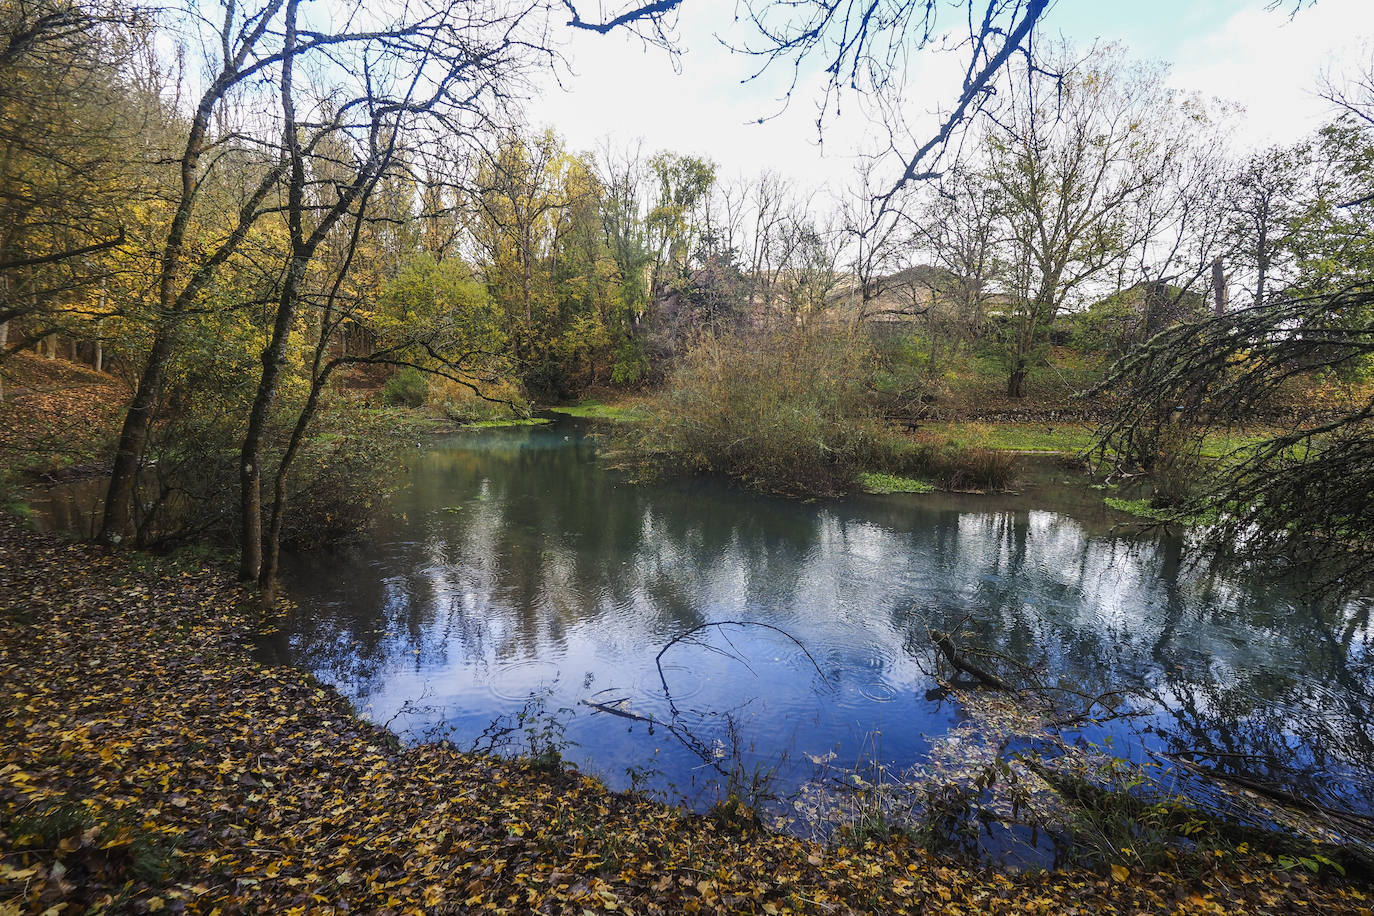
(513, 421)
(893, 483)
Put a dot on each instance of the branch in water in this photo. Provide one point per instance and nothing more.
(658, 659)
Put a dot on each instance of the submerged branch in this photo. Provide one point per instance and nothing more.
(947, 648)
(658, 659)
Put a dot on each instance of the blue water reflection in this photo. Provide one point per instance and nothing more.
(512, 564)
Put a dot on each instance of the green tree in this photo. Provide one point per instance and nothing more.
(677, 218)
(72, 118)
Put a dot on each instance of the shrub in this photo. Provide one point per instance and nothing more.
(460, 403)
(407, 388)
(341, 472)
(191, 491)
(784, 411)
(631, 364)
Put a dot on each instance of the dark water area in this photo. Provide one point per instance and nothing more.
(512, 564)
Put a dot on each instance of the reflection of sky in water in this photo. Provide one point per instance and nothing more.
(513, 564)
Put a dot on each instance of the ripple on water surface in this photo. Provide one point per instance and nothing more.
(683, 680)
(521, 680)
(860, 673)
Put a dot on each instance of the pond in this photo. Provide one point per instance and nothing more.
(514, 572)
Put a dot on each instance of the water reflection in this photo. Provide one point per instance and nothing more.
(513, 564)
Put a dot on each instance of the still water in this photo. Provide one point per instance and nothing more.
(512, 565)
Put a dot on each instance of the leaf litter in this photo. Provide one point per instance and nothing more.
(148, 764)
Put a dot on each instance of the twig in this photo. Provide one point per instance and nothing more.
(658, 659)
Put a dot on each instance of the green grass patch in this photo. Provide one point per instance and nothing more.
(1141, 508)
(595, 410)
(512, 421)
(893, 483)
(1068, 437)
(1221, 443)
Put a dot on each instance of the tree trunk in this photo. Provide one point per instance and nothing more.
(250, 464)
(274, 354)
(1218, 287)
(1156, 297)
(117, 522)
(115, 525)
(1016, 382)
(98, 352)
(267, 575)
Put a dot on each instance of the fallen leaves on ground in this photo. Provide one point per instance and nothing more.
(56, 412)
(148, 764)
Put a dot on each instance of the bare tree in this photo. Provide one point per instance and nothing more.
(1068, 158)
(1265, 197)
(810, 276)
(768, 201)
(1179, 223)
(957, 233)
(873, 237)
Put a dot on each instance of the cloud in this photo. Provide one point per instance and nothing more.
(1272, 62)
(1261, 58)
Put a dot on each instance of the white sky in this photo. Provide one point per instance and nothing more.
(1239, 50)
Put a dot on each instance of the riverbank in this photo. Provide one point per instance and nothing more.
(151, 765)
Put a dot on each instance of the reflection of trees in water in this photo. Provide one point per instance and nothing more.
(521, 541)
(1257, 681)
(1306, 706)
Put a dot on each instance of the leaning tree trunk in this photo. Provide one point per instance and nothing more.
(118, 521)
(271, 554)
(250, 456)
(118, 517)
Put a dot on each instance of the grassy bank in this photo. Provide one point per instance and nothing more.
(149, 764)
(590, 408)
(1064, 437)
